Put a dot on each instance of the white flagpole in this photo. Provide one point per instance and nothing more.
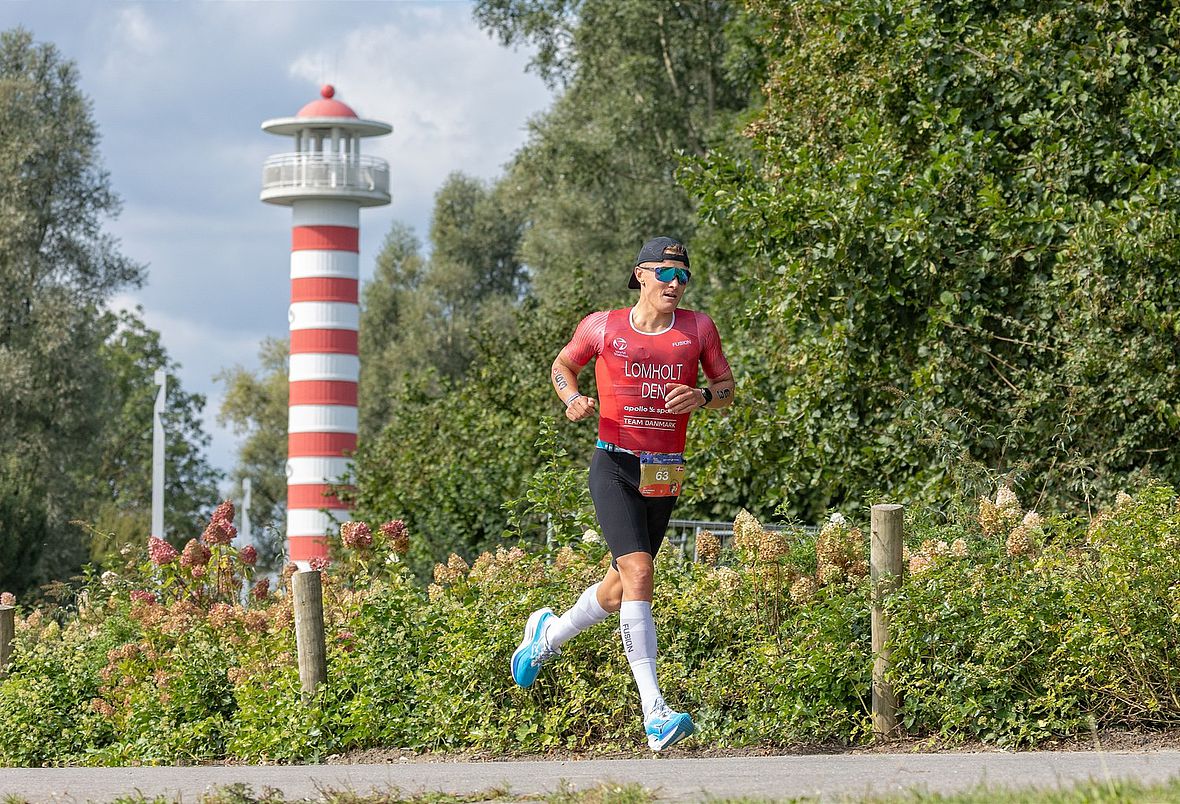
(158, 455)
(245, 533)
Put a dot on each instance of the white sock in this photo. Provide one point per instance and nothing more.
(583, 614)
(639, 644)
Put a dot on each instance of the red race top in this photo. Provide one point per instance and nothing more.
(634, 369)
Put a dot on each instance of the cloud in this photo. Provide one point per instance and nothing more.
(457, 100)
(135, 32)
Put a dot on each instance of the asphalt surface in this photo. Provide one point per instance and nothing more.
(827, 777)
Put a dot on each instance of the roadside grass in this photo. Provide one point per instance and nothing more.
(1109, 792)
(1114, 791)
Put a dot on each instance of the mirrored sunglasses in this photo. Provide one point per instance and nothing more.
(668, 274)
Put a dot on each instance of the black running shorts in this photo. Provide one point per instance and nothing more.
(629, 521)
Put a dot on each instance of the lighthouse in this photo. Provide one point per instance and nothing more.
(325, 180)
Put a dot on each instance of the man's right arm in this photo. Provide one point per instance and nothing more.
(564, 375)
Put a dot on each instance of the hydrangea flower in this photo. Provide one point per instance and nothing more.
(398, 535)
(248, 555)
(195, 555)
(7, 599)
(160, 552)
(708, 547)
(260, 589)
(219, 532)
(224, 512)
(356, 535)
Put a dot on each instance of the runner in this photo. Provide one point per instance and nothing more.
(646, 374)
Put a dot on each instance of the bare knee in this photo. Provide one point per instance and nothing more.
(636, 571)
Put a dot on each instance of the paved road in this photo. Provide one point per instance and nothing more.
(827, 777)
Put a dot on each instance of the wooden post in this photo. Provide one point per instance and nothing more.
(7, 634)
(309, 631)
(885, 567)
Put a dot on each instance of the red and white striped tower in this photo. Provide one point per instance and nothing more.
(325, 181)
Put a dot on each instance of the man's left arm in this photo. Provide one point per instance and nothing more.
(722, 391)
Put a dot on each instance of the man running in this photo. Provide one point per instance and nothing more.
(647, 369)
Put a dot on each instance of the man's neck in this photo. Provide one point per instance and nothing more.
(647, 318)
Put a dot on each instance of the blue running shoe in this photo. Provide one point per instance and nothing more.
(533, 652)
(665, 727)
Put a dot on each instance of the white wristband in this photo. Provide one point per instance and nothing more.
(569, 401)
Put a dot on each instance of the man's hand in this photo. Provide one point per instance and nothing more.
(680, 398)
(580, 408)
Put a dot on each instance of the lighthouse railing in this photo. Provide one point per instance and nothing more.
(326, 171)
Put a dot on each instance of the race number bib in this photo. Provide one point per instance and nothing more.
(661, 474)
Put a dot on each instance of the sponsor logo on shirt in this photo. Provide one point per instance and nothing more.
(620, 347)
(682, 343)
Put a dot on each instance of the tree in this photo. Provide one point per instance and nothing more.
(392, 311)
(57, 267)
(960, 226)
(514, 266)
(255, 404)
(428, 331)
(643, 84)
(120, 504)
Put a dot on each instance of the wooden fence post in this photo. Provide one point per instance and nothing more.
(309, 631)
(886, 567)
(7, 634)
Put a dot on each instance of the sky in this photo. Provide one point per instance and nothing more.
(179, 90)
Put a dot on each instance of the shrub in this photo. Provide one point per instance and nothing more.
(995, 638)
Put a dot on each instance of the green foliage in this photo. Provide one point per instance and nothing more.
(1008, 628)
(556, 498)
(394, 328)
(24, 525)
(456, 450)
(640, 87)
(57, 268)
(960, 222)
(76, 402)
(1042, 628)
(431, 468)
(457, 347)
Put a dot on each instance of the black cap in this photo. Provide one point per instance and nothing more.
(658, 249)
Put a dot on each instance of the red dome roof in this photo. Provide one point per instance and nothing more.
(326, 106)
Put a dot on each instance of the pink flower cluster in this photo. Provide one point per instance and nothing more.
(356, 535)
(160, 551)
(195, 555)
(319, 563)
(248, 555)
(261, 589)
(221, 528)
(7, 599)
(141, 596)
(398, 535)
